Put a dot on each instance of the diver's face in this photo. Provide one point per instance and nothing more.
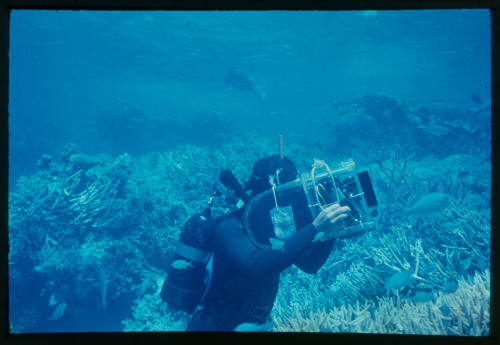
(257, 185)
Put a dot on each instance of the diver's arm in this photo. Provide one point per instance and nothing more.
(314, 257)
(327, 222)
(248, 258)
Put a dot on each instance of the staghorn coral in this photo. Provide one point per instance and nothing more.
(97, 206)
(50, 216)
(125, 213)
(464, 312)
(122, 214)
(357, 270)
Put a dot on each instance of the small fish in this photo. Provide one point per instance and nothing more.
(476, 99)
(450, 286)
(424, 287)
(480, 108)
(370, 13)
(466, 263)
(382, 186)
(422, 296)
(58, 313)
(399, 280)
(463, 173)
(239, 81)
(430, 205)
(103, 284)
(251, 327)
(476, 188)
(319, 237)
(277, 244)
(52, 300)
(426, 174)
(437, 130)
(181, 264)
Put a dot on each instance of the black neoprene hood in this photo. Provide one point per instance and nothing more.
(264, 167)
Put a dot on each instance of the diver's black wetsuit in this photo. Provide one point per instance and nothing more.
(245, 278)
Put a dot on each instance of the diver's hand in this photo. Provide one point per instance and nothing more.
(330, 220)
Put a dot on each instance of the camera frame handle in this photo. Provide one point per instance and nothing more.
(318, 164)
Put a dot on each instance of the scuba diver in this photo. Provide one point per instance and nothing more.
(245, 276)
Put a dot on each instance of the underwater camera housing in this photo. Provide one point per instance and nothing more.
(295, 204)
(347, 187)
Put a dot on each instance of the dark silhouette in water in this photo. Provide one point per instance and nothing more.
(240, 81)
(476, 99)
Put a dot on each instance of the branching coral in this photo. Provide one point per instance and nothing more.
(124, 215)
(465, 312)
(150, 314)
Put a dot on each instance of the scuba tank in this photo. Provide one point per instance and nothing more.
(186, 281)
(184, 284)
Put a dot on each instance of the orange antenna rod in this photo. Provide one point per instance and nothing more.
(281, 146)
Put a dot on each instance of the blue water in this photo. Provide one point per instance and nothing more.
(71, 65)
(153, 81)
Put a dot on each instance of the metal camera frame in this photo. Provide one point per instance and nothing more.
(317, 203)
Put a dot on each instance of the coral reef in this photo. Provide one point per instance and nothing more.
(94, 234)
(464, 312)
